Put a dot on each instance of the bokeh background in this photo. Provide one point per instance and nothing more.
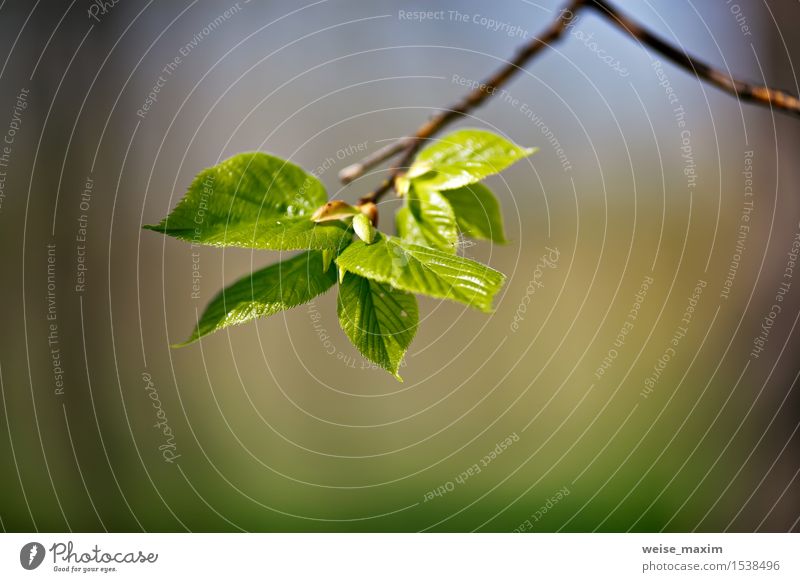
(280, 425)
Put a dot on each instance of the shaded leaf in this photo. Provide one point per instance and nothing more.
(477, 212)
(408, 228)
(278, 287)
(430, 220)
(380, 320)
(327, 258)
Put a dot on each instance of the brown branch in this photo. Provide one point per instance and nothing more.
(409, 145)
(758, 94)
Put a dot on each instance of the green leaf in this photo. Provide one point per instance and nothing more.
(278, 287)
(401, 184)
(253, 200)
(380, 320)
(465, 157)
(363, 228)
(408, 227)
(477, 212)
(429, 220)
(419, 269)
(327, 258)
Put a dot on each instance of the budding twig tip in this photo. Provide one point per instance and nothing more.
(350, 173)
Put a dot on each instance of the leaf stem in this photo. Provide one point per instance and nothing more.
(409, 145)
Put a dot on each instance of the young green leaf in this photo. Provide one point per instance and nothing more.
(327, 259)
(363, 228)
(278, 287)
(401, 184)
(253, 200)
(424, 270)
(477, 212)
(408, 227)
(428, 220)
(465, 157)
(380, 320)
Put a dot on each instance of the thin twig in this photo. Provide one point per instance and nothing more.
(409, 145)
(758, 94)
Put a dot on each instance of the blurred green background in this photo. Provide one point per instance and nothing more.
(281, 425)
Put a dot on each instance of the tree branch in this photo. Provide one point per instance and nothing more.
(409, 145)
(758, 94)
